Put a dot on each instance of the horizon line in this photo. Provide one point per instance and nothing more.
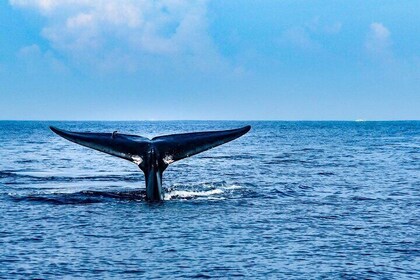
(197, 120)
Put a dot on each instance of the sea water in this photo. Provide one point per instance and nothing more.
(289, 200)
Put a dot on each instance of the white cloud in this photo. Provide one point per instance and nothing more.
(333, 28)
(299, 37)
(107, 32)
(307, 36)
(378, 42)
(316, 25)
(33, 56)
(29, 51)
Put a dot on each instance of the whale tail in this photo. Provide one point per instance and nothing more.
(173, 147)
(179, 146)
(152, 155)
(125, 146)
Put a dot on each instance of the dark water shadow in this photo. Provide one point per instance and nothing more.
(178, 193)
(82, 197)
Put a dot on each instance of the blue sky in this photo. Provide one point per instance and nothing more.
(159, 60)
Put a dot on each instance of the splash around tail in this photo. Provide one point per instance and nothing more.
(154, 155)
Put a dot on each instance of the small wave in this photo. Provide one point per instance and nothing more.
(228, 157)
(361, 198)
(80, 197)
(25, 161)
(203, 191)
(284, 161)
(68, 196)
(191, 194)
(7, 174)
(233, 187)
(18, 177)
(310, 150)
(56, 199)
(325, 173)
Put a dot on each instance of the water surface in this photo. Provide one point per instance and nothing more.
(289, 200)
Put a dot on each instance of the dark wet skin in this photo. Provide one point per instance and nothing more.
(153, 156)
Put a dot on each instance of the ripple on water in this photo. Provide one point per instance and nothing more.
(289, 200)
(176, 192)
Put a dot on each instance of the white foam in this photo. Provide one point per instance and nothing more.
(209, 192)
(189, 194)
(233, 187)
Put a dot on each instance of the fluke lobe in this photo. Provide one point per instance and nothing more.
(152, 155)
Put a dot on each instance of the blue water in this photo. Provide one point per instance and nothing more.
(289, 200)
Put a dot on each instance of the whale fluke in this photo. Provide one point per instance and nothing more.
(152, 155)
(120, 145)
(179, 146)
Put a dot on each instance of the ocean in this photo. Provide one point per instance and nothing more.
(289, 200)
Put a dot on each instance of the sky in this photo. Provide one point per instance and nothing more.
(209, 60)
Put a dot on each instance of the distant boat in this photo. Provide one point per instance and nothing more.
(360, 120)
